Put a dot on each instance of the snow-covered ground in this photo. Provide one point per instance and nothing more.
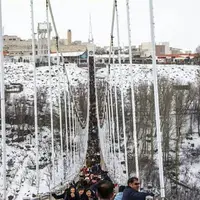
(22, 177)
(21, 156)
(23, 73)
(144, 73)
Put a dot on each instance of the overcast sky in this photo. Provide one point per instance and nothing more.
(177, 21)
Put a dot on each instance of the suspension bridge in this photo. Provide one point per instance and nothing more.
(100, 128)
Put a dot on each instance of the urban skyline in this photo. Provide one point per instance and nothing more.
(175, 21)
(16, 46)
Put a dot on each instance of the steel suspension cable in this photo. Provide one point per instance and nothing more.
(108, 94)
(50, 86)
(66, 125)
(35, 99)
(113, 125)
(70, 129)
(156, 100)
(116, 98)
(64, 69)
(60, 120)
(110, 51)
(110, 123)
(67, 80)
(73, 135)
(132, 91)
(3, 117)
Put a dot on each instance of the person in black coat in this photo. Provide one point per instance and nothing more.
(81, 193)
(132, 191)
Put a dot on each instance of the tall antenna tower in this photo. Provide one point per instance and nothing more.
(90, 38)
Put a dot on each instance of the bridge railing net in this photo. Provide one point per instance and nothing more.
(113, 157)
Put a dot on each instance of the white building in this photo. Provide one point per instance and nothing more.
(161, 48)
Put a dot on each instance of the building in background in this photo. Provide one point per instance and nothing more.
(175, 51)
(162, 48)
(15, 46)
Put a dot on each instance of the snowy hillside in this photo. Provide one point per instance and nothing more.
(21, 155)
(179, 109)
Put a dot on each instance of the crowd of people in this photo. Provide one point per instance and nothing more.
(95, 184)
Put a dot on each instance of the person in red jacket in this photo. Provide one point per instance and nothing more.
(84, 170)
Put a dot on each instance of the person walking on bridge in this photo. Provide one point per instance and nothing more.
(105, 190)
(132, 191)
(69, 194)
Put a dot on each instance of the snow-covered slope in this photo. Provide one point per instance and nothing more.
(21, 175)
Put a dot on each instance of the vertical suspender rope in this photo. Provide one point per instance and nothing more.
(66, 125)
(51, 102)
(76, 137)
(110, 124)
(123, 116)
(107, 136)
(110, 50)
(111, 35)
(3, 118)
(108, 81)
(60, 107)
(64, 69)
(35, 99)
(67, 80)
(113, 125)
(74, 134)
(60, 120)
(79, 142)
(106, 119)
(156, 99)
(69, 94)
(124, 133)
(70, 128)
(119, 59)
(132, 91)
(73, 146)
(117, 119)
